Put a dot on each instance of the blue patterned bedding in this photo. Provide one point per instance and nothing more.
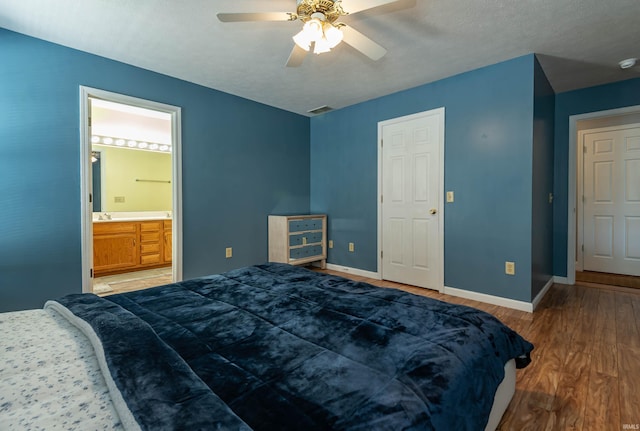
(276, 347)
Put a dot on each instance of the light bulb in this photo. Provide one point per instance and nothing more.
(95, 139)
(107, 141)
(321, 46)
(302, 40)
(120, 142)
(333, 35)
(313, 28)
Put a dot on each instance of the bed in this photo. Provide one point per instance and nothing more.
(266, 347)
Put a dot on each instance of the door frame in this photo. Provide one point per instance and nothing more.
(440, 112)
(86, 213)
(572, 192)
(580, 186)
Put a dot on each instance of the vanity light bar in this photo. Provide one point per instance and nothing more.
(130, 143)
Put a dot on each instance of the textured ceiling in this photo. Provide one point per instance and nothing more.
(579, 43)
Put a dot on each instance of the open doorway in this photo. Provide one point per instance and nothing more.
(605, 147)
(131, 209)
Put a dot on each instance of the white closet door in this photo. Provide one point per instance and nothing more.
(411, 200)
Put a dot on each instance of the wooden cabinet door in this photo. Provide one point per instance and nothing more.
(168, 239)
(114, 251)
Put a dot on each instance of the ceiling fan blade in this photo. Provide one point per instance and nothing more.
(259, 16)
(296, 57)
(354, 6)
(362, 43)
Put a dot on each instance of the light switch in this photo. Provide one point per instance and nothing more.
(229, 252)
(330, 243)
(351, 247)
(449, 197)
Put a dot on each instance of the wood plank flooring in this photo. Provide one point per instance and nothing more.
(609, 279)
(585, 370)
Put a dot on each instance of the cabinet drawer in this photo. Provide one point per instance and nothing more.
(150, 248)
(113, 227)
(305, 238)
(148, 259)
(303, 252)
(150, 226)
(305, 224)
(150, 236)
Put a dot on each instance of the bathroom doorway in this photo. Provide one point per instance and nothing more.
(130, 176)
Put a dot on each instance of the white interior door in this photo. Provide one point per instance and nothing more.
(412, 244)
(611, 203)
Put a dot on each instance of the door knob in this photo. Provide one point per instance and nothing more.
(433, 211)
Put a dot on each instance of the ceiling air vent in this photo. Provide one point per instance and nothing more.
(320, 110)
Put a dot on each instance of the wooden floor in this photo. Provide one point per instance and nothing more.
(606, 278)
(585, 370)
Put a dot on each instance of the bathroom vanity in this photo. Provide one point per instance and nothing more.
(124, 244)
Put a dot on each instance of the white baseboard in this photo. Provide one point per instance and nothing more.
(543, 292)
(561, 280)
(489, 299)
(354, 271)
(467, 294)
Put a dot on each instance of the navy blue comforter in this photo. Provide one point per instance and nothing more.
(276, 347)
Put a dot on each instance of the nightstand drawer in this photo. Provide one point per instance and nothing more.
(304, 252)
(305, 238)
(305, 224)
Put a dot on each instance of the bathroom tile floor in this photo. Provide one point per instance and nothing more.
(119, 283)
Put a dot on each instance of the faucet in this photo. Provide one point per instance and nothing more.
(107, 216)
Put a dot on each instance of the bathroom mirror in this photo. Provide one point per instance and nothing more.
(131, 158)
(128, 180)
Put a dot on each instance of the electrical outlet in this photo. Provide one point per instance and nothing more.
(449, 197)
(351, 247)
(229, 252)
(510, 268)
(330, 243)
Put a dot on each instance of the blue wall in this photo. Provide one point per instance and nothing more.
(488, 164)
(601, 98)
(239, 165)
(542, 216)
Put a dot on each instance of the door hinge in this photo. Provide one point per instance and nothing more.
(381, 143)
(89, 121)
(584, 148)
(90, 197)
(381, 199)
(381, 254)
(91, 273)
(582, 247)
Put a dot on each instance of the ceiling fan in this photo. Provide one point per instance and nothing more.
(321, 28)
